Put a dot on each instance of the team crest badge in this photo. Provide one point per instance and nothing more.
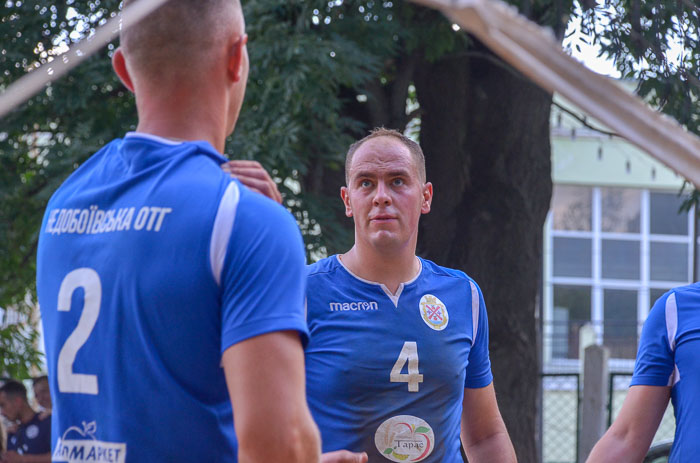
(434, 312)
(405, 438)
(32, 431)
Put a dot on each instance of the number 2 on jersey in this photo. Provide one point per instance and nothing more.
(409, 353)
(89, 280)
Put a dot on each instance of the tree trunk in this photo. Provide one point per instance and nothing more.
(485, 134)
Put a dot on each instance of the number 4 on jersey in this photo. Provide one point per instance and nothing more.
(409, 353)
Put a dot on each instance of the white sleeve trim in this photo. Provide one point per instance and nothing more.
(671, 331)
(671, 320)
(223, 226)
(475, 310)
(675, 376)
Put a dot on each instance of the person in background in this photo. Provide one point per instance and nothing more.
(398, 364)
(42, 394)
(30, 442)
(172, 297)
(667, 367)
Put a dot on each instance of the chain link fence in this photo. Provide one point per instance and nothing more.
(560, 417)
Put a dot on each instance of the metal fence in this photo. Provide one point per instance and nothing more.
(618, 385)
(561, 423)
(561, 414)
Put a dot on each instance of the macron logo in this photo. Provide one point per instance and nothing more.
(341, 306)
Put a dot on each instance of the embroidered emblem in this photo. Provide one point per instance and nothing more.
(32, 431)
(434, 312)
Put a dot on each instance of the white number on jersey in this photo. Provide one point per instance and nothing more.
(89, 280)
(409, 353)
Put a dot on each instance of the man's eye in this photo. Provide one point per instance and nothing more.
(397, 182)
(365, 183)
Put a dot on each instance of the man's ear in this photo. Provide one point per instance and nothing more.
(119, 65)
(345, 195)
(427, 198)
(236, 58)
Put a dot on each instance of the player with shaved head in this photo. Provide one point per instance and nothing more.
(172, 296)
(398, 362)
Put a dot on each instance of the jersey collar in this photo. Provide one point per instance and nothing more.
(394, 297)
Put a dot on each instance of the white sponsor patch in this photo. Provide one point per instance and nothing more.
(79, 445)
(404, 438)
(433, 312)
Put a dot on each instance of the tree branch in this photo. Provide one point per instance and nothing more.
(376, 103)
(413, 114)
(31, 252)
(583, 121)
(399, 91)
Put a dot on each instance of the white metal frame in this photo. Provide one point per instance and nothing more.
(598, 284)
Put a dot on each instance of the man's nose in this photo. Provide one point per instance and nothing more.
(381, 195)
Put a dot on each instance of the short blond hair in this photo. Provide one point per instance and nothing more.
(179, 35)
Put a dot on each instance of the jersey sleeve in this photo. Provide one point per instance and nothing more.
(479, 366)
(655, 362)
(263, 280)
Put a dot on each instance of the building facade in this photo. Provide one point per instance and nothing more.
(615, 241)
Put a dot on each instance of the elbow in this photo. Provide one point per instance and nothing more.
(302, 444)
(294, 443)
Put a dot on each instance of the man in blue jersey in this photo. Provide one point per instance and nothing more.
(171, 296)
(397, 365)
(667, 366)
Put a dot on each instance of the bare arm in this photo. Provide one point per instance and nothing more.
(629, 437)
(265, 377)
(14, 457)
(484, 434)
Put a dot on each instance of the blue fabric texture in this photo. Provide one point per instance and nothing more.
(134, 348)
(668, 355)
(359, 335)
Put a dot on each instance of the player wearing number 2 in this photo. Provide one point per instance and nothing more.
(172, 297)
(398, 362)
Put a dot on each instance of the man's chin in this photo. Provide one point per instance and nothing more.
(385, 240)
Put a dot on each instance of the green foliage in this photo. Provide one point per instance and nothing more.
(303, 54)
(43, 141)
(18, 355)
(312, 62)
(655, 43)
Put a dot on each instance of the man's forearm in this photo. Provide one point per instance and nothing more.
(614, 448)
(496, 448)
(36, 458)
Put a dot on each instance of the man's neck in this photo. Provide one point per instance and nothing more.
(27, 414)
(184, 117)
(389, 269)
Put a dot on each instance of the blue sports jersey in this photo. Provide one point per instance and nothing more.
(669, 355)
(32, 438)
(151, 263)
(386, 373)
